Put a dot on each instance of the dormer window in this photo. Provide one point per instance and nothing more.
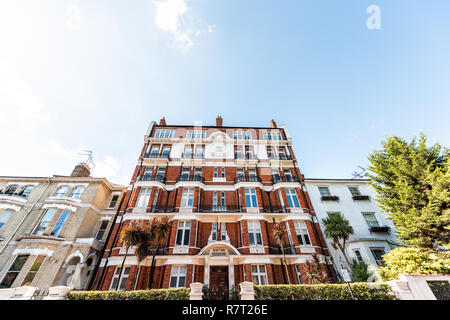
(196, 134)
(164, 133)
(272, 135)
(242, 135)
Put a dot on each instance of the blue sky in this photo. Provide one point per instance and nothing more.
(92, 74)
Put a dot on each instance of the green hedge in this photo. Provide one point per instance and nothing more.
(152, 294)
(361, 291)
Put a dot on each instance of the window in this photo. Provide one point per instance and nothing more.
(222, 172)
(4, 217)
(242, 135)
(252, 172)
(378, 255)
(299, 275)
(324, 192)
(45, 222)
(184, 174)
(123, 280)
(223, 231)
(154, 151)
(199, 152)
(143, 198)
(76, 193)
(354, 190)
(214, 232)
(101, 231)
(240, 172)
(187, 198)
(147, 174)
(62, 191)
(33, 270)
(250, 198)
(358, 256)
(370, 219)
(198, 173)
(13, 271)
(188, 151)
(177, 277)
(276, 175)
(254, 233)
(302, 233)
(288, 175)
(113, 202)
(270, 153)
(10, 189)
(259, 276)
(164, 133)
(165, 152)
(196, 134)
(292, 198)
(271, 135)
(183, 233)
(60, 223)
(215, 174)
(26, 192)
(282, 153)
(248, 152)
(161, 173)
(238, 152)
(219, 199)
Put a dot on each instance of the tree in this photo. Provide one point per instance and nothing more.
(162, 228)
(339, 230)
(313, 271)
(361, 272)
(279, 233)
(413, 186)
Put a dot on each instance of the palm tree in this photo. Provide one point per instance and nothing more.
(313, 271)
(130, 236)
(278, 233)
(339, 230)
(161, 228)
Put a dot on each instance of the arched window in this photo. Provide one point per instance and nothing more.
(11, 189)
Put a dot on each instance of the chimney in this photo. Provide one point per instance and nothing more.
(162, 122)
(81, 170)
(219, 121)
(273, 124)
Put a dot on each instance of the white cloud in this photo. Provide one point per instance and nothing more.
(169, 18)
(108, 167)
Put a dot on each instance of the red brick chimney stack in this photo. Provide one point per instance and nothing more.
(162, 122)
(219, 121)
(273, 124)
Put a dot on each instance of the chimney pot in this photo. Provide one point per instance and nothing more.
(162, 122)
(273, 124)
(219, 121)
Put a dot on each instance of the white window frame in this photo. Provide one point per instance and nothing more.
(185, 228)
(292, 197)
(178, 272)
(250, 194)
(76, 193)
(5, 216)
(301, 230)
(123, 280)
(143, 197)
(372, 215)
(254, 227)
(328, 191)
(259, 274)
(196, 134)
(186, 197)
(164, 133)
(103, 230)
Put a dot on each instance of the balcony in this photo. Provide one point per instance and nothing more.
(192, 156)
(157, 177)
(218, 208)
(287, 250)
(161, 209)
(380, 229)
(280, 157)
(247, 156)
(360, 197)
(195, 177)
(278, 179)
(274, 209)
(329, 198)
(164, 155)
(251, 178)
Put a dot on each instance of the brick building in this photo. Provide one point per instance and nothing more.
(222, 188)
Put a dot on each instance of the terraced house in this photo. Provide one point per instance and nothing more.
(53, 229)
(222, 188)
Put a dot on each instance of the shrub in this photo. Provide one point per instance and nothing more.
(152, 294)
(361, 271)
(361, 291)
(414, 260)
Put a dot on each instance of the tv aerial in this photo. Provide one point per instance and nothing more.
(90, 158)
(361, 174)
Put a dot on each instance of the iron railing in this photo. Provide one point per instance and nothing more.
(287, 250)
(220, 208)
(251, 178)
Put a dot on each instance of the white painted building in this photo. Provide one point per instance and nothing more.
(356, 200)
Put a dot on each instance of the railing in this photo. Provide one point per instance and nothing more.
(361, 197)
(287, 250)
(192, 156)
(218, 208)
(249, 156)
(157, 155)
(153, 209)
(329, 198)
(380, 229)
(278, 178)
(247, 179)
(194, 177)
(274, 209)
(156, 177)
(161, 251)
(280, 157)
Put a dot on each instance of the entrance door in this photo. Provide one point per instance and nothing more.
(218, 283)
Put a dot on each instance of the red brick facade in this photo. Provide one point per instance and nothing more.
(189, 187)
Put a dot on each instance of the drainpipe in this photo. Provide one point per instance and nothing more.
(24, 217)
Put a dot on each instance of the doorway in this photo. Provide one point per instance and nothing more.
(218, 283)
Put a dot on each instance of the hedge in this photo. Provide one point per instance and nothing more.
(152, 294)
(361, 291)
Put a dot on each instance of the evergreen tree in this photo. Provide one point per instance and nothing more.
(413, 186)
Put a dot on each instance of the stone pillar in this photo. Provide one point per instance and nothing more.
(196, 291)
(57, 293)
(247, 292)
